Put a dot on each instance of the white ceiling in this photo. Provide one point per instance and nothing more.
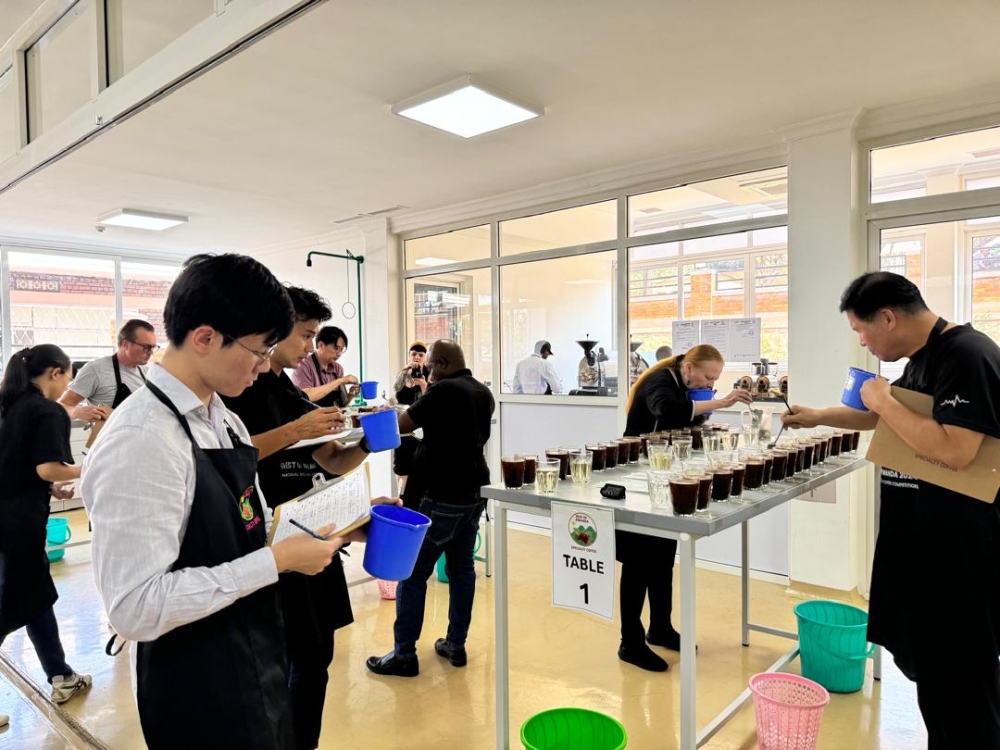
(296, 132)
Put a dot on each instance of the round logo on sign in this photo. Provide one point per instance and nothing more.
(582, 529)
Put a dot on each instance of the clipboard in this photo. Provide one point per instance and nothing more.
(980, 479)
(345, 501)
(95, 429)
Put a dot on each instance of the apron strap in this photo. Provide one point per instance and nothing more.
(117, 369)
(170, 405)
(110, 649)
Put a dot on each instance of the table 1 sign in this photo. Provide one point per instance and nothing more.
(583, 559)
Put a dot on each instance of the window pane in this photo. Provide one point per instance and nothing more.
(138, 29)
(450, 247)
(714, 289)
(771, 304)
(566, 228)
(63, 300)
(454, 306)
(562, 301)
(59, 67)
(144, 295)
(956, 265)
(734, 198)
(8, 114)
(949, 164)
(653, 294)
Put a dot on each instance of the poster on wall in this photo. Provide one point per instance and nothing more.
(686, 334)
(744, 340)
(716, 333)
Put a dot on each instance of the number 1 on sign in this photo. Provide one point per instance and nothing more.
(585, 587)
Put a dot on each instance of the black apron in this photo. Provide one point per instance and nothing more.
(334, 398)
(122, 391)
(221, 681)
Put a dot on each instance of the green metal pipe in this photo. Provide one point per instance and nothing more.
(359, 259)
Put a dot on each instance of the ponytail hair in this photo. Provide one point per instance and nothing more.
(24, 367)
(696, 355)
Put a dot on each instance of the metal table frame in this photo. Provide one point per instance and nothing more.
(687, 530)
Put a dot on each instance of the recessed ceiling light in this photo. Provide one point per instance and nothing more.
(130, 217)
(430, 260)
(467, 107)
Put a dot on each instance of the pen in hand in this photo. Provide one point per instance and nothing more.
(314, 535)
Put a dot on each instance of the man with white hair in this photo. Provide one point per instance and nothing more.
(535, 374)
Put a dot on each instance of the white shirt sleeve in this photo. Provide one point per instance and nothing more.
(553, 378)
(139, 519)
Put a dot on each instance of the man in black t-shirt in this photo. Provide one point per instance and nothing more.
(447, 472)
(935, 589)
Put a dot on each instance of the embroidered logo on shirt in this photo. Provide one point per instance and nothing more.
(246, 509)
(954, 401)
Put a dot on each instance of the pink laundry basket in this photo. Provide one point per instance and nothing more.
(387, 589)
(789, 709)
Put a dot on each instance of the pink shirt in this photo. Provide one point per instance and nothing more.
(307, 376)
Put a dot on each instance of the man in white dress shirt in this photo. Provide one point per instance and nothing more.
(535, 374)
(179, 547)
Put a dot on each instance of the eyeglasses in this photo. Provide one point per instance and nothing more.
(339, 348)
(262, 356)
(148, 348)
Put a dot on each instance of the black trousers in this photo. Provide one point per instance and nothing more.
(959, 700)
(647, 569)
(43, 633)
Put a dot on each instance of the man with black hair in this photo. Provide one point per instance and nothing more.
(277, 415)
(179, 548)
(104, 383)
(321, 375)
(936, 575)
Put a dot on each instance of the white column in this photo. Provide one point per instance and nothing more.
(825, 252)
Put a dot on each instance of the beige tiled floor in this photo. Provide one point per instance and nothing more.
(558, 658)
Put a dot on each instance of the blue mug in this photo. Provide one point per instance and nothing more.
(851, 396)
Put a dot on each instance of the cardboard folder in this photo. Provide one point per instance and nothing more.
(96, 429)
(980, 479)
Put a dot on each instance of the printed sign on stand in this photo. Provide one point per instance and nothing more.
(583, 559)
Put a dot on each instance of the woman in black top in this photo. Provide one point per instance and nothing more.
(34, 451)
(410, 385)
(659, 401)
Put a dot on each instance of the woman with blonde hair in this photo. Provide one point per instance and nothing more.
(659, 401)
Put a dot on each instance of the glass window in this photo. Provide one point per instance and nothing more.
(64, 300)
(664, 288)
(744, 196)
(144, 294)
(948, 164)
(565, 228)
(985, 280)
(138, 29)
(561, 301)
(59, 67)
(451, 247)
(454, 306)
(8, 114)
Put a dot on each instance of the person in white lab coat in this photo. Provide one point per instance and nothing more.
(535, 374)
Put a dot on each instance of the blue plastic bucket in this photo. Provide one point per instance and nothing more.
(57, 531)
(394, 538)
(702, 394)
(382, 430)
(442, 570)
(852, 388)
(369, 389)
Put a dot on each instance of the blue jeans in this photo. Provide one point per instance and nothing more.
(453, 531)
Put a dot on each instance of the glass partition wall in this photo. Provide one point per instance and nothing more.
(614, 273)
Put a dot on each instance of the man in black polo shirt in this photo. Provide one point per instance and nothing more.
(277, 414)
(935, 589)
(448, 470)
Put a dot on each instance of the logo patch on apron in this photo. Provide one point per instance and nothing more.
(246, 510)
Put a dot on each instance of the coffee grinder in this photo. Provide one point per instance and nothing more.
(593, 359)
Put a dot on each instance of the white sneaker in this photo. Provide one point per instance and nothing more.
(4, 720)
(64, 688)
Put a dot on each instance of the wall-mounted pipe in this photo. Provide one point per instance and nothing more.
(359, 259)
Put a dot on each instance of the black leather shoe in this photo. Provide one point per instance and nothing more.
(643, 657)
(670, 639)
(394, 665)
(455, 655)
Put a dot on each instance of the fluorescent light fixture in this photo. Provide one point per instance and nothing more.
(430, 260)
(467, 107)
(131, 217)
